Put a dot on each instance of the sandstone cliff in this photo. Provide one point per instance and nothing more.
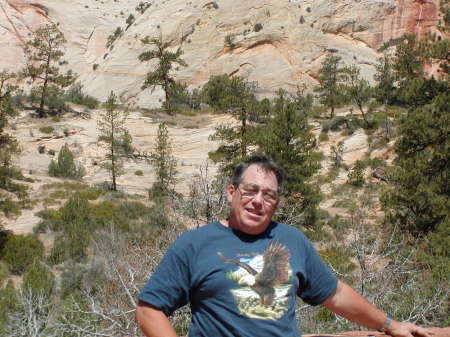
(277, 43)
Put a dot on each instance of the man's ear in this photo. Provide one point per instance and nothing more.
(230, 189)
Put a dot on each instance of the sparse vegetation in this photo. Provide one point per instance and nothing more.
(47, 129)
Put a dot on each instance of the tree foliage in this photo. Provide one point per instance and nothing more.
(20, 252)
(164, 163)
(44, 53)
(65, 165)
(288, 139)
(162, 75)
(358, 90)
(331, 82)
(8, 143)
(234, 96)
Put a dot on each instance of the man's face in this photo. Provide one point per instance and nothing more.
(254, 201)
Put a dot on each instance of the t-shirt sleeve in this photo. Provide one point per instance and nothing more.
(319, 282)
(168, 287)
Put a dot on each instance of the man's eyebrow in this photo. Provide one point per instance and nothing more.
(261, 187)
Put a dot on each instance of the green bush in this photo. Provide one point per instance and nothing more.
(139, 173)
(323, 137)
(47, 129)
(356, 175)
(258, 27)
(39, 278)
(75, 95)
(20, 252)
(65, 165)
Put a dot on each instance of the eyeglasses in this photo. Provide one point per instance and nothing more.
(269, 196)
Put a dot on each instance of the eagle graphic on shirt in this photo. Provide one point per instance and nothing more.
(263, 281)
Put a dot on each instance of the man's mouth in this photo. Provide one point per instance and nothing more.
(253, 212)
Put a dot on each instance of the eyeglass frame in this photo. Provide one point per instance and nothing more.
(253, 194)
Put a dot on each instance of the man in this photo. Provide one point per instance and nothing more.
(241, 275)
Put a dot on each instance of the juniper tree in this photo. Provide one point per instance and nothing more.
(44, 53)
(162, 75)
(331, 80)
(111, 132)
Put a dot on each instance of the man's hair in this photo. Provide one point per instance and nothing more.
(265, 162)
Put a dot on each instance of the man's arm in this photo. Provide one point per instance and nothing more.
(348, 303)
(153, 322)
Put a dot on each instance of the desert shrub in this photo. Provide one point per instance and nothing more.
(258, 27)
(55, 101)
(65, 165)
(75, 95)
(113, 37)
(356, 175)
(91, 193)
(182, 99)
(142, 7)
(20, 252)
(139, 173)
(39, 279)
(72, 245)
(323, 137)
(9, 207)
(229, 41)
(47, 129)
(338, 258)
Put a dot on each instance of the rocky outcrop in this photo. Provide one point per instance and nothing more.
(276, 43)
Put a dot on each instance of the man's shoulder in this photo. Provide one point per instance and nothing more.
(200, 233)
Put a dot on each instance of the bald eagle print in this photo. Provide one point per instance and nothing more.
(263, 282)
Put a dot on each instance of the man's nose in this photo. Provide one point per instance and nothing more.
(258, 198)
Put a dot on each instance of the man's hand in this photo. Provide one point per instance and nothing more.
(405, 329)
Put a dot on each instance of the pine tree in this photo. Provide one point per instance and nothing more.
(385, 81)
(164, 163)
(331, 80)
(288, 140)
(44, 53)
(418, 194)
(111, 131)
(8, 144)
(236, 98)
(358, 90)
(162, 76)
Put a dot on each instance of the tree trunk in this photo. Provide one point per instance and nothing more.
(369, 125)
(166, 91)
(113, 164)
(244, 134)
(44, 90)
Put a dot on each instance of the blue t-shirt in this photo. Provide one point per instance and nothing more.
(240, 285)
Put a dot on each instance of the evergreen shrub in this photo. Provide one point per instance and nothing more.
(65, 165)
(20, 252)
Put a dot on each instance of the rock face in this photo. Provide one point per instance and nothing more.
(276, 43)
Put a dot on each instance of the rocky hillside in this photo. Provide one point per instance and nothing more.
(275, 43)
